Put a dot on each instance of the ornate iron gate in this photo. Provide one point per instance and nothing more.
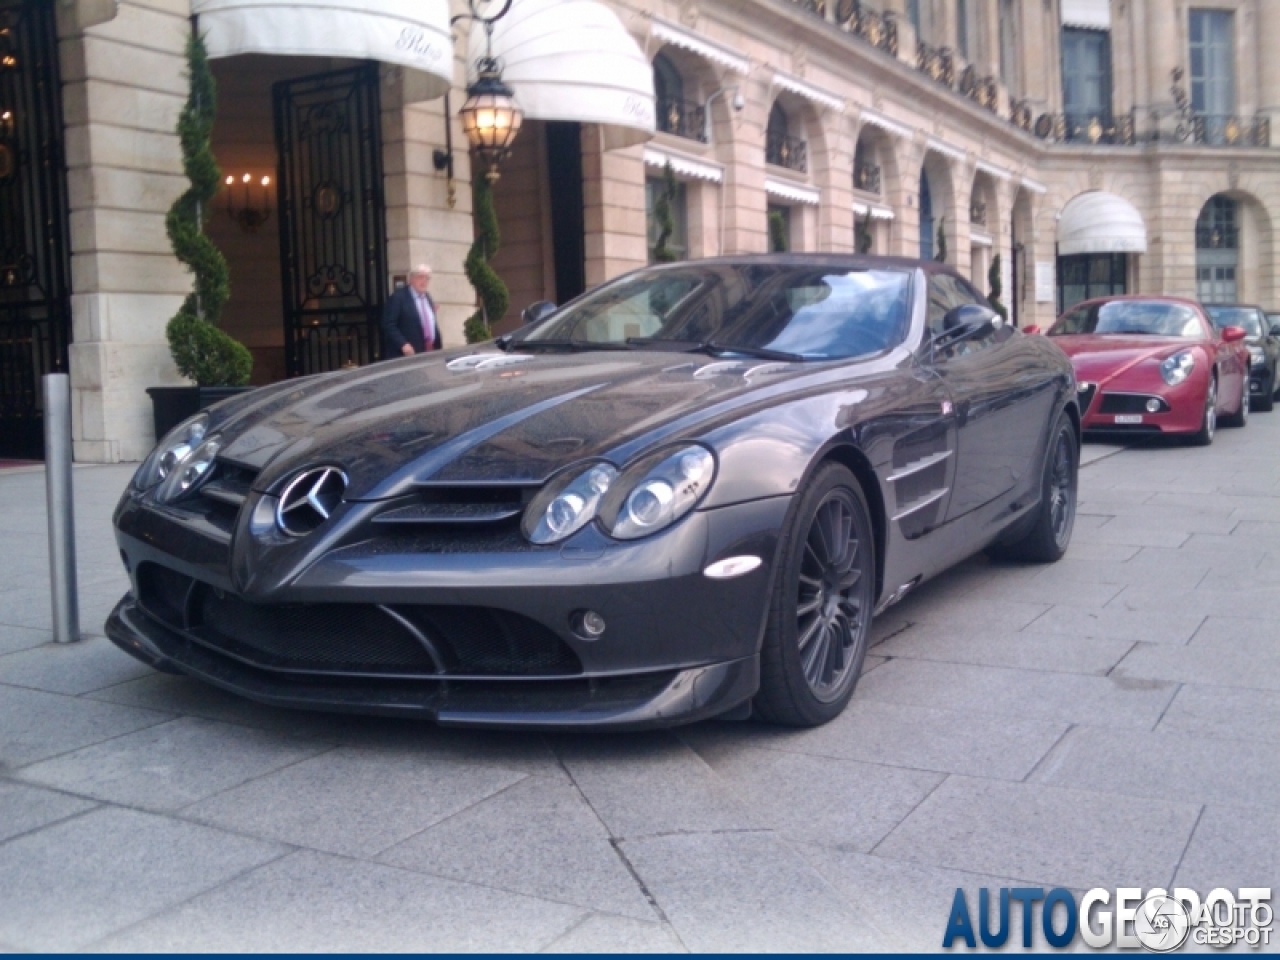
(332, 218)
(35, 304)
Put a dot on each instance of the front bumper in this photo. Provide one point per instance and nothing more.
(463, 636)
(626, 702)
(1119, 407)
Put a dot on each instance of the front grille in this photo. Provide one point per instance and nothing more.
(460, 504)
(423, 640)
(1129, 403)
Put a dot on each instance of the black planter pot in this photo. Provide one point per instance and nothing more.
(171, 405)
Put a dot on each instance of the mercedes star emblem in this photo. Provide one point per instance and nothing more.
(309, 499)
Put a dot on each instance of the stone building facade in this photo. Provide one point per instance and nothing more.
(1093, 145)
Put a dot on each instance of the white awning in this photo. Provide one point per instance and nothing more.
(978, 238)
(791, 192)
(410, 33)
(573, 60)
(874, 210)
(1094, 14)
(811, 92)
(1100, 222)
(678, 36)
(884, 123)
(688, 167)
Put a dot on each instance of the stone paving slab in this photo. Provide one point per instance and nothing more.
(1108, 720)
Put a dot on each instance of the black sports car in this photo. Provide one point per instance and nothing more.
(1264, 348)
(684, 493)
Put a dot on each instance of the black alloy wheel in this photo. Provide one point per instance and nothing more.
(823, 598)
(1045, 535)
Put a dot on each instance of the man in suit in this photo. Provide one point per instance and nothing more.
(409, 322)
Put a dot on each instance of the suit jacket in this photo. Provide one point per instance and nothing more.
(401, 324)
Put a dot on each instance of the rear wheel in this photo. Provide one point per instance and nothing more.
(820, 611)
(1208, 419)
(1047, 538)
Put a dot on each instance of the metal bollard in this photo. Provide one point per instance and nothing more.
(62, 527)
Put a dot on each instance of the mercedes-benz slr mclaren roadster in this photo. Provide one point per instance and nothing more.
(683, 494)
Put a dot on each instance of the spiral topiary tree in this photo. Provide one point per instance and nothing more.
(996, 287)
(940, 248)
(201, 351)
(662, 216)
(862, 235)
(777, 233)
(493, 293)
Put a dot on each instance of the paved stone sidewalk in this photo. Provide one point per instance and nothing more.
(1110, 720)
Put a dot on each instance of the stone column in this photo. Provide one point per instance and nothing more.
(1269, 65)
(612, 207)
(1166, 49)
(739, 145)
(832, 170)
(124, 83)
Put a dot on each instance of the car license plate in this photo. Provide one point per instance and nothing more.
(1128, 418)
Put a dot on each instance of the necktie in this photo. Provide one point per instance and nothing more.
(424, 313)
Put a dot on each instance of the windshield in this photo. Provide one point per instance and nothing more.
(1246, 317)
(797, 311)
(1142, 317)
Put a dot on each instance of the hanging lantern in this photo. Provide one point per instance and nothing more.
(491, 117)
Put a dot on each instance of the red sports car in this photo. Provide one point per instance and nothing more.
(1148, 365)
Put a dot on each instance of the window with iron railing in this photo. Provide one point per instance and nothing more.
(780, 148)
(681, 118)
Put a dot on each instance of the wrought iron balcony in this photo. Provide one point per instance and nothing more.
(1217, 238)
(866, 176)
(978, 213)
(1225, 130)
(789, 152)
(1099, 128)
(938, 63)
(682, 119)
(981, 90)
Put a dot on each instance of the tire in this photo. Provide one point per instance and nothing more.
(1209, 418)
(821, 604)
(1267, 401)
(1049, 533)
(1241, 417)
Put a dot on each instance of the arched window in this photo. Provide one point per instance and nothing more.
(780, 148)
(926, 218)
(866, 172)
(667, 82)
(1218, 250)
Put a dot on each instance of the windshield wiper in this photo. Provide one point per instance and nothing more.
(764, 353)
(571, 344)
(683, 346)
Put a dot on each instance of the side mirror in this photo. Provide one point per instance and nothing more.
(1275, 329)
(967, 321)
(1233, 334)
(537, 311)
(1031, 330)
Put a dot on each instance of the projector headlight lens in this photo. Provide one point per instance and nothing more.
(657, 491)
(188, 474)
(567, 504)
(177, 445)
(1177, 368)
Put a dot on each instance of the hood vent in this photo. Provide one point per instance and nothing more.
(486, 361)
(462, 503)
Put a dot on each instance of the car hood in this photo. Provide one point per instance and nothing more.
(1098, 358)
(480, 417)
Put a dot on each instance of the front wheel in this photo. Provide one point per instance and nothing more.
(1209, 419)
(1047, 538)
(820, 610)
(1266, 401)
(1241, 417)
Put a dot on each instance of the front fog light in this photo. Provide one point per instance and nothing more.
(1153, 405)
(588, 624)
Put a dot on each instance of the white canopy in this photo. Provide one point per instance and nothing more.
(1094, 14)
(1101, 222)
(573, 60)
(411, 33)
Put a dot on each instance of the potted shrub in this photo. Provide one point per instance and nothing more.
(217, 364)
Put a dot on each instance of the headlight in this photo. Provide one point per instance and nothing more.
(568, 503)
(171, 451)
(1256, 354)
(187, 475)
(1177, 368)
(657, 491)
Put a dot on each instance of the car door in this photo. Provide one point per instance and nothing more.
(1001, 396)
(1231, 360)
